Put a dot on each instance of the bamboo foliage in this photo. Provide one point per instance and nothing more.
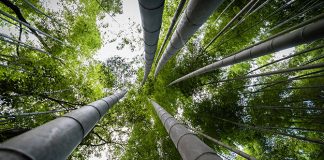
(268, 130)
(225, 9)
(37, 10)
(44, 14)
(297, 15)
(246, 7)
(314, 19)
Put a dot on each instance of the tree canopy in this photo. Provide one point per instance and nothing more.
(47, 68)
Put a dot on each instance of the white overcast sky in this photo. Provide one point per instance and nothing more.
(130, 13)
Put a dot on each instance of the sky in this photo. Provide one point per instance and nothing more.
(130, 14)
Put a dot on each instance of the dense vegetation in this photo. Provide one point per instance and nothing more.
(269, 117)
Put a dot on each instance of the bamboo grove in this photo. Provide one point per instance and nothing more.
(237, 79)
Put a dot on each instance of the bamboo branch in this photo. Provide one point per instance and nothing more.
(258, 128)
(287, 57)
(23, 21)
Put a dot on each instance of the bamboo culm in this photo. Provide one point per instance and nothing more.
(225, 9)
(58, 138)
(293, 17)
(188, 144)
(151, 16)
(41, 12)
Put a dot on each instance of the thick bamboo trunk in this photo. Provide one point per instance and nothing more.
(151, 15)
(188, 144)
(9, 133)
(195, 15)
(302, 35)
(58, 138)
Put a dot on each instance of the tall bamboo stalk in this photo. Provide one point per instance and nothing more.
(151, 16)
(189, 145)
(58, 138)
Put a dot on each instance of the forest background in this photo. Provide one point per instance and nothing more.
(269, 117)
